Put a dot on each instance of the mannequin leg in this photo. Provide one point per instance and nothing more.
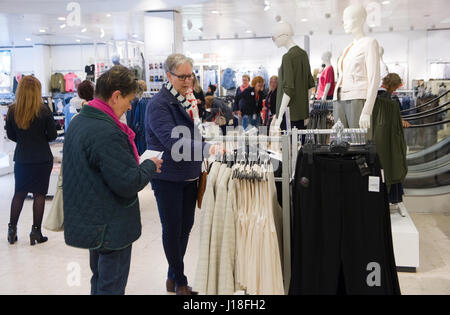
(339, 112)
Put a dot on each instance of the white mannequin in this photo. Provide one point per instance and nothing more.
(282, 36)
(363, 51)
(326, 59)
(384, 70)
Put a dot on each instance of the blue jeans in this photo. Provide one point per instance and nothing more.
(176, 205)
(110, 269)
(248, 120)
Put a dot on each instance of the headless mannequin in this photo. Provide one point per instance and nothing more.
(364, 53)
(282, 36)
(326, 59)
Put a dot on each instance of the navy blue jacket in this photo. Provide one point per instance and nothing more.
(163, 114)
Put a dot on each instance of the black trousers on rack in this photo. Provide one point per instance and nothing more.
(341, 239)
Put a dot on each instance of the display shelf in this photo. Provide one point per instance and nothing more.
(405, 239)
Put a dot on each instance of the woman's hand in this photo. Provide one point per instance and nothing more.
(216, 149)
(406, 124)
(158, 163)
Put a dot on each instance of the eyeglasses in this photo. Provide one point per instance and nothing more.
(183, 77)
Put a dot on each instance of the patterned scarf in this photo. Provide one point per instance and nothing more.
(189, 103)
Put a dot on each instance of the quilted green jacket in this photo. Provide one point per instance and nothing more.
(101, 181)
(389, 139)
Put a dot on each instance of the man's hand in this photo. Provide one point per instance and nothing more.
(158, 163)
(406, 124)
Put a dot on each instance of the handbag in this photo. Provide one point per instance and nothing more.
(55, 219)
(220, 119)
(202, 186)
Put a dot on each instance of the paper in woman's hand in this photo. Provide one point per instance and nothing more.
(148, 154)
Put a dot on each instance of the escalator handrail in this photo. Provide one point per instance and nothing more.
(434, 148)
(426, 112)
(429, 115)
(427, 103)
(430, 124)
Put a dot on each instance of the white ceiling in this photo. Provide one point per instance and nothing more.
(20, 19)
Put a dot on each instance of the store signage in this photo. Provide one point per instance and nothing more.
(373, 14)
(74, 17)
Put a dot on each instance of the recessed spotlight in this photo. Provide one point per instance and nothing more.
(83, 30)
(62, 25)
(215, 12)
(42, 30)
(108, 15)
(304, 20)
(27, 39)
(249, 31)
(78, 40)
(61, 18)
(386, 2)
(267, 7)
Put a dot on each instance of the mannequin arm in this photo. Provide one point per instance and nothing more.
(373, 75)
(325, 92)
(284, 104)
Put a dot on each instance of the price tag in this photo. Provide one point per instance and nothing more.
(374, 184)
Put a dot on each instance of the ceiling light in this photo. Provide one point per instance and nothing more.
(304, 20)
(42, 30)
(249, 31)
(62, 26)
(108, 15)
(102, 33)
(135, 36)
(83, 30)
(61, 18)
(27, 39)
(78, 40)
(386, 2)
(215, 12)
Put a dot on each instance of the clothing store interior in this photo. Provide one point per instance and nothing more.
(324, 125)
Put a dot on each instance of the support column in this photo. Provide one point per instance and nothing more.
(163, 36)
(42, 66)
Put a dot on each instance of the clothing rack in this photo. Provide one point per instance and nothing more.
(285, 179)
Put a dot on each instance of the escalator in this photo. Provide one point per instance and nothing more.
(428, 142)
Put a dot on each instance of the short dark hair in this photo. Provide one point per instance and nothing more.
(118, 78)
(213, 88)
(86, 90)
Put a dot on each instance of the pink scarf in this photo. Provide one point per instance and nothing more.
(104, 107)
(242, 87)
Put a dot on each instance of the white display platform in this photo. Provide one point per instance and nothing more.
(405, 238)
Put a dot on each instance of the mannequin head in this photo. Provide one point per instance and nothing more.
(326, 57)
(354, 18)
(282, 34)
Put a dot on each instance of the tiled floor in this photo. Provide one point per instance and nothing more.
(51, 268)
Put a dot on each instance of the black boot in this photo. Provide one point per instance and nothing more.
(12, 233)
(36, 235)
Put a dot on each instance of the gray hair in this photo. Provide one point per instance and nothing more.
(173, 61)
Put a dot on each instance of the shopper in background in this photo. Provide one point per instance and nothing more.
(219, 112)
(211, 90)
(101, 180)
(250, 103)
(30, 124)
(245, 85)
(390, 84)
(270, 104)
(176, 187)
(199, 95)
(85, 94)
(136, 117)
